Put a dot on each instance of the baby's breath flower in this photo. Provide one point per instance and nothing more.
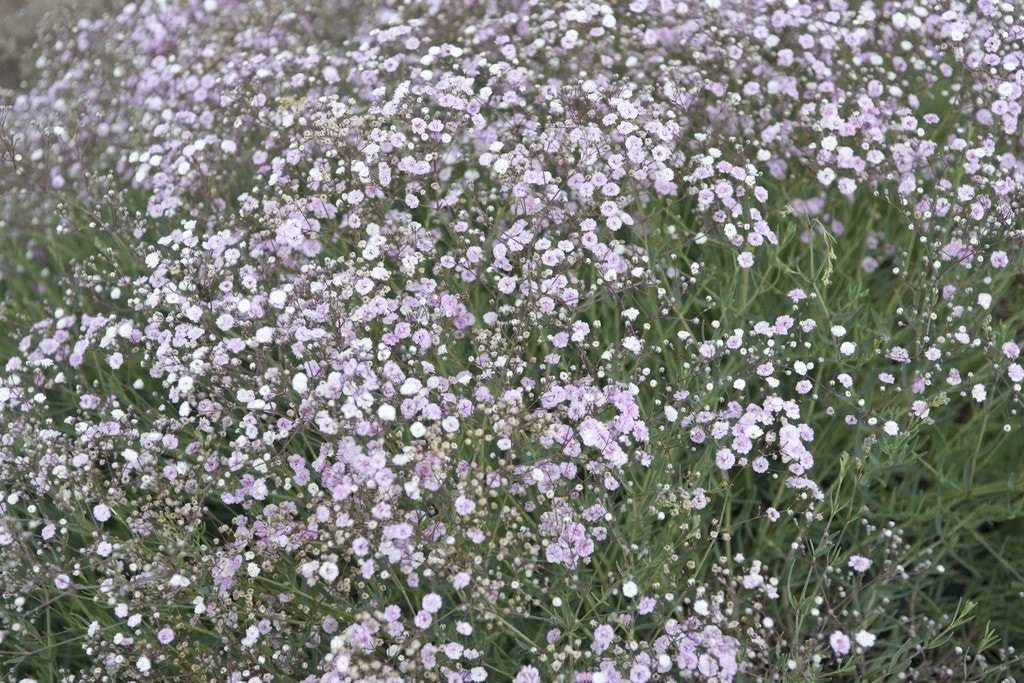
(865, 638)
(859, 563)
(839, 642)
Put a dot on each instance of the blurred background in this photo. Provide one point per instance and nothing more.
(21, 22)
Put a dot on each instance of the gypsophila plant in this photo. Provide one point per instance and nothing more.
(545, 340)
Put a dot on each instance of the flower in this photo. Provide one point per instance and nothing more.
(328, 571)
(603, 636)
(864, 638)
(899, 354)
(840, 642)
(859, 563)
(528, 674)
(101, 512)
(725, 459)
(632, 344)
(432, 602)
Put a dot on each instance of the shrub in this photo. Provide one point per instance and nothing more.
(514, 341)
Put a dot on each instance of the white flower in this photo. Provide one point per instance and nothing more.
(632, 344)
(277, 298)
(629, 589)
(252, 634)
(101, 512)
(864, 639)
(328, 571)
(386, 412)
(410, 387)
(179, 581)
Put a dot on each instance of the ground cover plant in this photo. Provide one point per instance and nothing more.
(533, 341)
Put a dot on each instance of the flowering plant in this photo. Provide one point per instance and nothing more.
(543, 340)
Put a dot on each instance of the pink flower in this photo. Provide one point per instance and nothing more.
(725, 459)
(432, 602)
(423, 619)
(603, 635)
(528, 674)
(840, 642)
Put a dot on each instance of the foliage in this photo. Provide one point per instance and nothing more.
(545, 340)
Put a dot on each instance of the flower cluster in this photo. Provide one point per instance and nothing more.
(476, 341)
